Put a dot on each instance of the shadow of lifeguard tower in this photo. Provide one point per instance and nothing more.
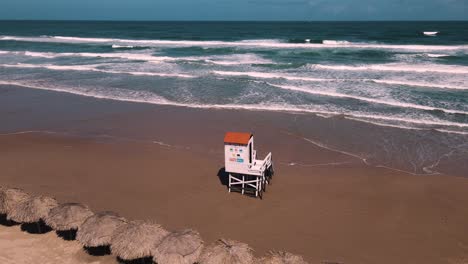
(247, 175)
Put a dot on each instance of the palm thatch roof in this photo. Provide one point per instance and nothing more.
(227, 252)
(68, 216)
(98, 229)
(10, 198)
(281, 257)
(33, 209)
(136, 239)
(2, 198)
(182, 247)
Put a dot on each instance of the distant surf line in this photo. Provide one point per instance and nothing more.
(234, 59)
(261, 43)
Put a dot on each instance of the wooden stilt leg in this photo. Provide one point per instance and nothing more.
(243, 180)
(256, 188)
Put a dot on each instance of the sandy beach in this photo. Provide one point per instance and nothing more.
(18, 247)
(162, 163)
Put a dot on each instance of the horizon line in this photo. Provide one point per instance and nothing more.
(292, 21)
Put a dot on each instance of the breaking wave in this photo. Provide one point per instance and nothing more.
(335, 42)
(266, 75)
(92, 68)
(122, 47)
(396, 67)
(234, 59)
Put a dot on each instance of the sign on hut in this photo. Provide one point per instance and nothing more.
(246, 174)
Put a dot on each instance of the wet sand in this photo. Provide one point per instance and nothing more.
(162, 163)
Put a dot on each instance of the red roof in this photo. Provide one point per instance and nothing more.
(237, 138)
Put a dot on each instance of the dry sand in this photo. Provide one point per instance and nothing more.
(18, 247)
(344, 214)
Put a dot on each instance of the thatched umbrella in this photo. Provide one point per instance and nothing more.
(2, 198)
(281, 257)
(135, 240)
(96, 232)
(228, 252)
(67, 218)
(9, 198)
(33, 211)
(3, 219)
(182, 247)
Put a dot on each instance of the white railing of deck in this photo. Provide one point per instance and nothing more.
(266, 162)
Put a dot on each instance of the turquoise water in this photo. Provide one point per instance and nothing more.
(385, 73)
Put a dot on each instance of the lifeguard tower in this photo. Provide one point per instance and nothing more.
(246, 174)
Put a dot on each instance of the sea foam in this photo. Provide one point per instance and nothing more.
(396, 67)
(389, 102)
(93, 68)
(278, 75)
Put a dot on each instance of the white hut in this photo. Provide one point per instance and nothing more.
(246, 173)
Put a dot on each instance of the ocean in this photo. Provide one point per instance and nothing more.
(384, 73)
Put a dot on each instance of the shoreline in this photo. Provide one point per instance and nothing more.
(425, 150)
(293, 111)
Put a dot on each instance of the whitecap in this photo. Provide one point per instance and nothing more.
(114, 46)
(430, 33)
(335, 42)
(432, 55)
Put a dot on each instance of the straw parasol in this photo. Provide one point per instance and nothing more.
(281, 257)
(68, 216)
(3, 220)
(98, 229)
(33, 209)
(2, 198)
(227, 252)
(182, 247)
(10, 198)
(135, 239)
